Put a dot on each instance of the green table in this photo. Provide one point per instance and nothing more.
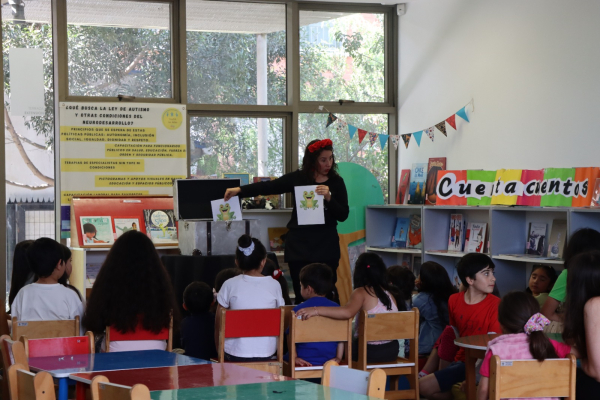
(286, 390)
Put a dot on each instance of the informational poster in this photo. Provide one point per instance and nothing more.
(121, 149)
(309, 205)
(226, 210)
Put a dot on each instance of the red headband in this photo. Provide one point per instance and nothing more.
(320, 144)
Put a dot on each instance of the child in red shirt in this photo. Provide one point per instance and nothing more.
(474, 312)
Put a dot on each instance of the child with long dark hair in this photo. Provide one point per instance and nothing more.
(403, 280)
(523, 337)
(132, 292)
(22, 274)
(373, 293)
(64, 280)
(541, 281)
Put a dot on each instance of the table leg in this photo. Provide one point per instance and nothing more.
(63, 388)
(470, 361)
(80, 390)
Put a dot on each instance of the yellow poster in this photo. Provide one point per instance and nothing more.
(507, 187)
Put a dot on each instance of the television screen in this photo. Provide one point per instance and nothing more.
(192, 197)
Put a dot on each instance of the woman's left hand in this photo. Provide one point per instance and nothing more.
(324, 191)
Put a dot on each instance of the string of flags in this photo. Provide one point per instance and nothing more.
(395, 139)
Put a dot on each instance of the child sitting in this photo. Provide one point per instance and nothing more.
(198, 328)
(250, 290)
(272, 270)
(315, 282)
(372, 293)
(523, 337)
(46, 299)
(541, 281)
(403, 280)
(474, 312)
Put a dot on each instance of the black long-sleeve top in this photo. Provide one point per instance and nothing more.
(313, 243)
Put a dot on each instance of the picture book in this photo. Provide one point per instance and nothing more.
(309, 205)
(586, 179)
(448, 187)
(475, 237)
(97, 231)
(277, 238)
(433, 167)
(551, 187)
(507, 187)
(457, 231)
(399, 239)
(402, 186)
(536, 239)
(558, 238)
(123, 225)
(416, 189)
(160, 226)
(414, 232)
(483, 182)
(595, 202)
(226, 210)
(531, 180)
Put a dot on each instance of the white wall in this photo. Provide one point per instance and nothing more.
(531, 66)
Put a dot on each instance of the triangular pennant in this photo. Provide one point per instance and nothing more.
(361, 135)
(451, 121)
(430, 132)
(417, 136)
(463, 113)
(442, 127)
(405, 138)
(352, 130)
(383, 140)
(372, 138)
(340, 126)
(330, 119)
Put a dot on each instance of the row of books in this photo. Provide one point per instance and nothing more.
(467, 237)
(418, 186)
(537, 245)
(407, 233)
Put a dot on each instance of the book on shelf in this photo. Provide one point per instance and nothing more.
(416, 189)
(399, 239)
(475, 237)
(123, 225)
(457, 232)
(97, 230)
(160, 226)
(536, 239)
(434, 165)
(414, 232)
(558, 237)
(277, 238)
(401, 196)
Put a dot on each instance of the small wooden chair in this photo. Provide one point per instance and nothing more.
(68, 346)
(102, 389)
(315, 329)
(45, 329)
(253, 323)
(532, 378)
(12, 352)
(392, 326)
(25, 385)
(139, 334)
(371, 383)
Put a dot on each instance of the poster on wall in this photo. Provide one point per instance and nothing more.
(120, 149)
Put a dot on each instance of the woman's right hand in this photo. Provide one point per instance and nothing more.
(229, 193)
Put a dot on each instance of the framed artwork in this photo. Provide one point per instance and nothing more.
(244, 178)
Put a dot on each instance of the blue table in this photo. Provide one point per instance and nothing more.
(60, 367)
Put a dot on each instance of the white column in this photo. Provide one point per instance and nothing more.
(261, 99)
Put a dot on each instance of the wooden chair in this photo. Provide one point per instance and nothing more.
(102, 389)
(59, 346)
(12, 352)
(392, 326)
(139, 334)
(45, 329)
(532, 378)
(25, 385)
(253, 323)
(315, 329)
(371, 383)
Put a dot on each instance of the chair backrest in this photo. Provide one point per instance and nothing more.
(13, 352)
(139, 334)
(25, 385)
(532, 378)
(353, 380)
(64, 346)
(45, 329)
(102, 389)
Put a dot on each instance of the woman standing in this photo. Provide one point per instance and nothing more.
(306, 244)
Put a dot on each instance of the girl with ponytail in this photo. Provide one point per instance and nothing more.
(523, 336)
(372, 293)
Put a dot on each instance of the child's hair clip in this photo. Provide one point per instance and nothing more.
(277, 273)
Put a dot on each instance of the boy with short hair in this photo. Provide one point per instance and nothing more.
(474, 312)
(198, 329)
(46, 299)
(316, 281)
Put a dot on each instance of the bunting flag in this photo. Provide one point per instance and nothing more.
(463, 113)
(352, 130)
(430, 132)
(372, 138)
(442, 127)
(406, 139)
(330, 119)
(451, 121)
(383, 140)
(417, 136)
(361, 135)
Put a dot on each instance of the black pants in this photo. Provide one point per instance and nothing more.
(229, 357)
(378, 353)
(587, 388)
(296, 267)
